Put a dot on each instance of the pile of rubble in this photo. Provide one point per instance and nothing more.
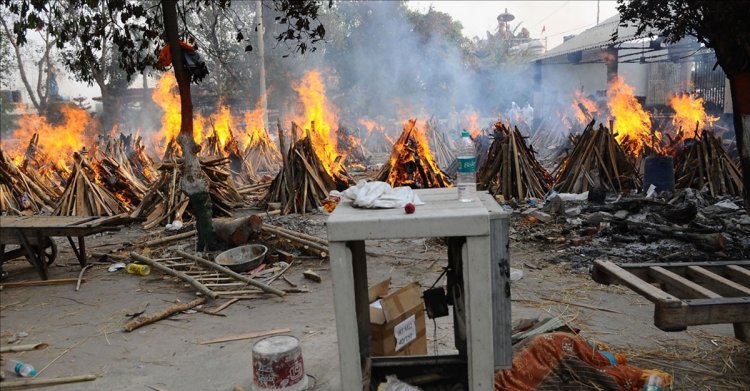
(686, 225)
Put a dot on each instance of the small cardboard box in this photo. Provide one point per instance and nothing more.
(397, 320)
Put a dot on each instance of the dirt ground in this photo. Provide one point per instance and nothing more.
(84, 328)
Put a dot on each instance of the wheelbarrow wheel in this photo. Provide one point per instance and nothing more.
(50, 251)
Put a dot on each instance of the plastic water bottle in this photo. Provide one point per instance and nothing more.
(653, 383)
(467, 168)
(20, 368)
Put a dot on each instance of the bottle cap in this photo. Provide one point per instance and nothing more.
(465, 133)
(33, 372)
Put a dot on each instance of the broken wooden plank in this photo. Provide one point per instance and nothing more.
(238, 337)
(24, 284)
(36, 382)
(165, 313)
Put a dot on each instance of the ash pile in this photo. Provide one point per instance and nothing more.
(684, 225)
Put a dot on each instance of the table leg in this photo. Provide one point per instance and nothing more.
(478, 275)
(33, 256)
(362, 304)
(501, 293)
(73, 246)
(456, 290)
(82, 251)
(342, 271)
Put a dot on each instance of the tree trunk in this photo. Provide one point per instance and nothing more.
(193, 184)
(739, 84)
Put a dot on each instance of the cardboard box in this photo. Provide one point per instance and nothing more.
(397, 320)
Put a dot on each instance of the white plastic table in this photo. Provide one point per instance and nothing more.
(482, 228)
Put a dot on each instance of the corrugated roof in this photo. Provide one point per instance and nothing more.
(595, 37)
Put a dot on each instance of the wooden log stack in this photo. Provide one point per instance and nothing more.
(164, 202)
(357, 156)
(45, 171)
(242, 172)
(511, 169)
(141, 163)
(84, 197)
(303, 181)
(706, 163)
(114, 172)
(20, 193)
(411, 162)
(442, 148)
(378, 141)
(262, 154)
(596, 160)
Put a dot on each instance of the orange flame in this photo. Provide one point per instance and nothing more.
(632, 123)
(58, 141)
(689, 114)
(166, 96)
(222, 126)
(319, 118)
(413, 143)
(255, 129)
(473, 124)
(581, 103)
(369, 124)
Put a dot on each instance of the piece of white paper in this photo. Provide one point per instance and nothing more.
(405, 332)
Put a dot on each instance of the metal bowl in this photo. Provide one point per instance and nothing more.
(243, 258)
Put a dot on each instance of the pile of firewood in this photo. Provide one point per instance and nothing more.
(511, 169)
(482, 143)
(357, 157)
(442, 148)
(114, 172)
(20, 193)
(596, 160)
(84, 197)
(411, 162)
(164, 202)
(241, 171)
(303, 181)
(705, 162)
(262, 154)
(377, 141)
(45, 171)
(141, 163)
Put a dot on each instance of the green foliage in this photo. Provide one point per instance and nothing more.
(721, 25)
(86, 27)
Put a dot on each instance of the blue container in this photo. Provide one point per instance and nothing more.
(659, 171)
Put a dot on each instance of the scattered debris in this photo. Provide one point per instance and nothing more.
(312, 276)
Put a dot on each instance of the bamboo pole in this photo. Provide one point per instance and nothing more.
(36, 382)
(237, 276)
(182, 276)
(165, 313)
(323, 249)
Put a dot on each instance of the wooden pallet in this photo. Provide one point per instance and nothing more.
(688, 293)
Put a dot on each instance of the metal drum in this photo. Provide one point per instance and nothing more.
(277, 365)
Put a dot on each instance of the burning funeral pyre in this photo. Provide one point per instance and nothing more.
(411, 162)
(511, 169)
(312, 166)
(596, 160)
(705, 163)
(377, 140)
